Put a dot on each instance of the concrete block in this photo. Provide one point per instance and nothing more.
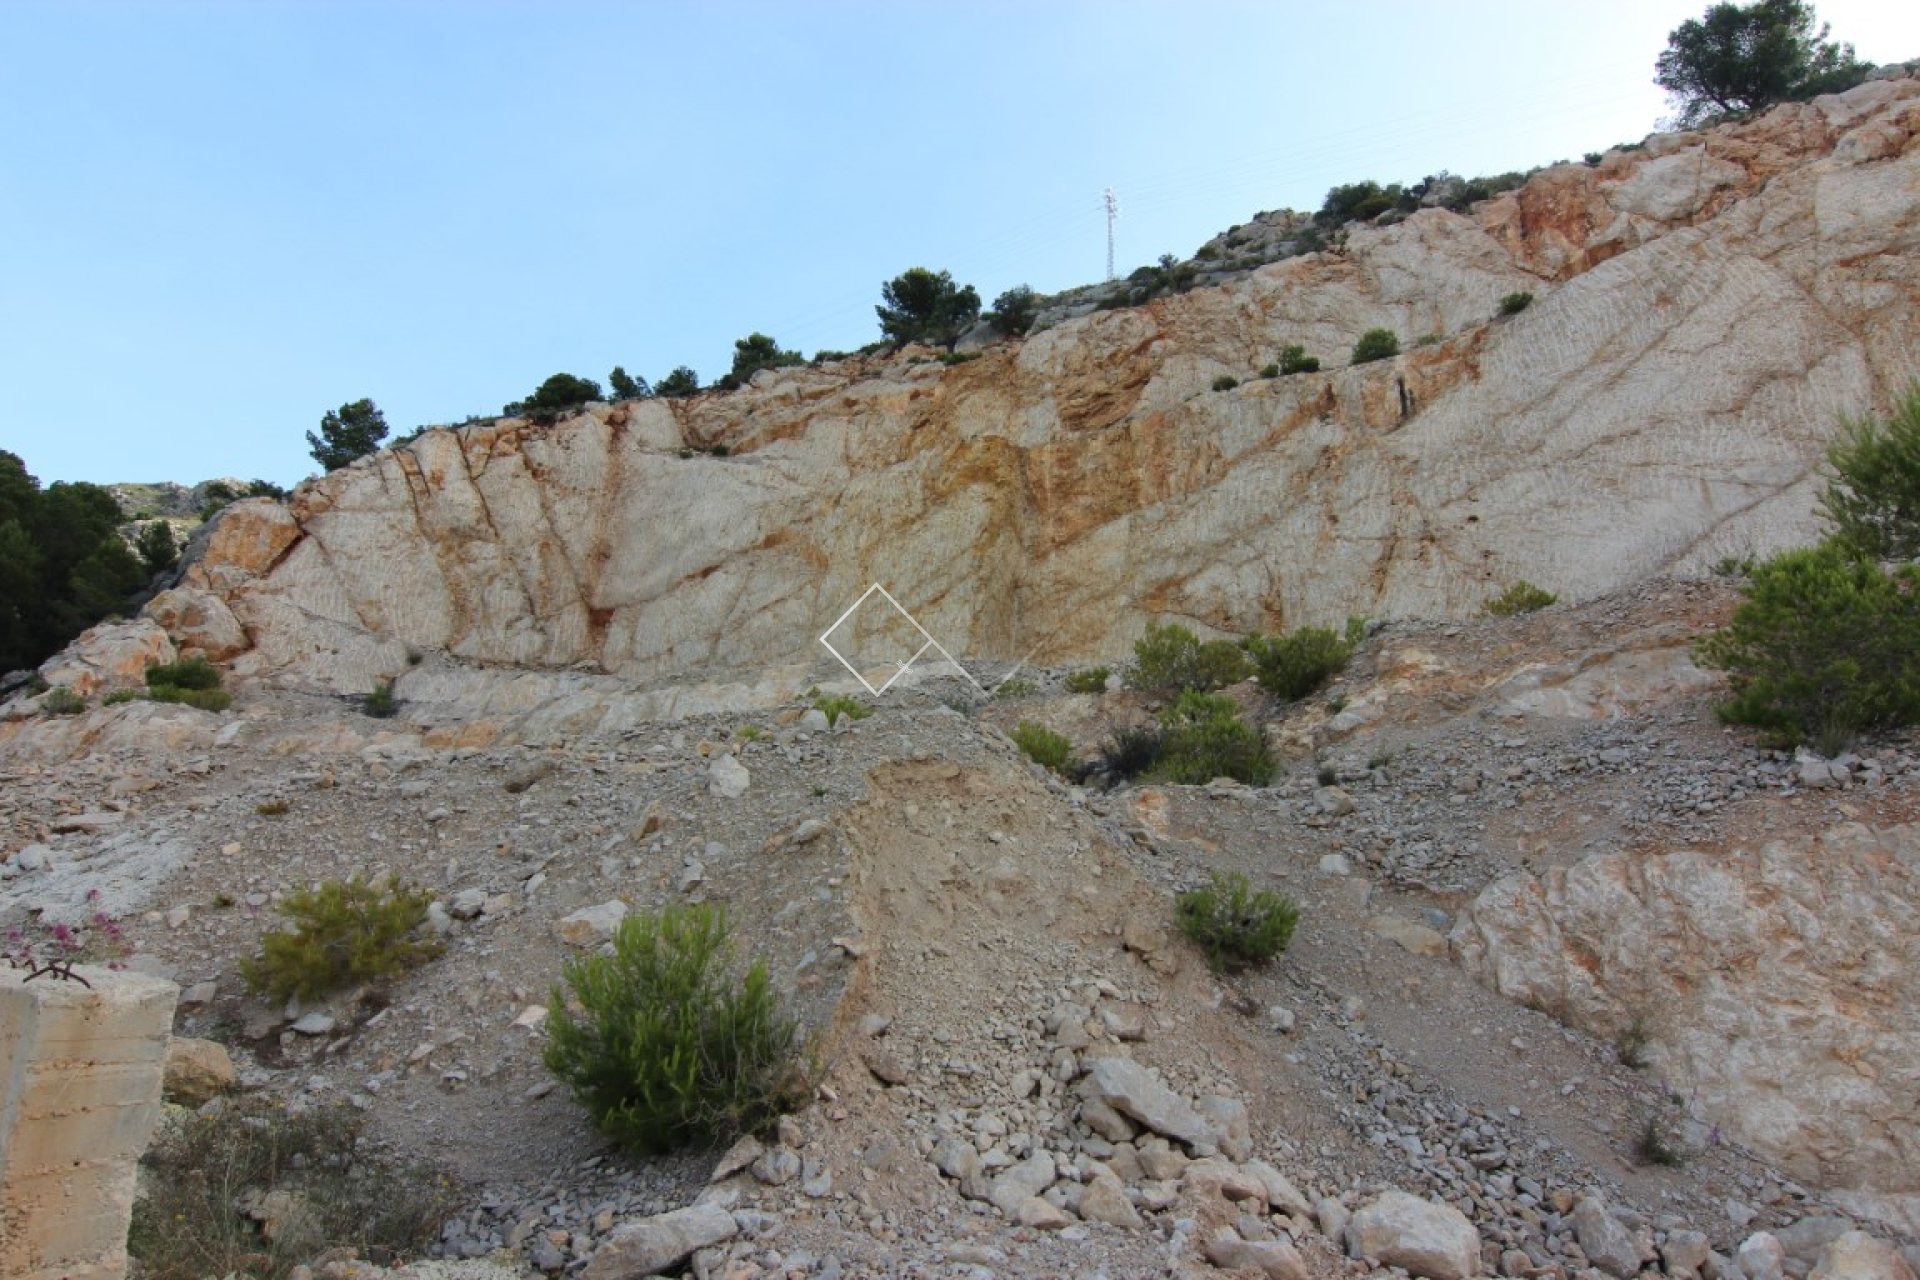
(80, 1077)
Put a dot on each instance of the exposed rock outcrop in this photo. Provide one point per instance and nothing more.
(1707, 307)
(1780, 980)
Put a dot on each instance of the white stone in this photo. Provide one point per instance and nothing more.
(728, 778)
(590, 926)
(1428, 1239)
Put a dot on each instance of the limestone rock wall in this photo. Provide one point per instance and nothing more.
(1706, 309)
(1780, 982)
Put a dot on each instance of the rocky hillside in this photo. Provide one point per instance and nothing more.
(1586, 985)
(1527, 856)
(1706, 307)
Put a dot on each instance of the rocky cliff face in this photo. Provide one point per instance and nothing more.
(1706, 308)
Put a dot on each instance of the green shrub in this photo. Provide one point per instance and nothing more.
(157, 548)
(1270, 370)
(926, 306)
(668, 1048)
(1826, 644)
(1294, 665)
(1090, 680)
(119, 696)
(205, 1169)
(1170, 658)
(1018, 687)
(1043, 746)
(194, 673)
(1521, 597)
(1225, 382)
(1376, 344)
(1204, 738)
(1514, 303)
(351, 431)
(203, 699)
(345, 931)
(836, 705)
(62, 701)
(1296, 360)
(1235, 926)
(1873, 496)
(380, 702)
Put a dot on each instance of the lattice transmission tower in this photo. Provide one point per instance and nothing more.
(1112, 203)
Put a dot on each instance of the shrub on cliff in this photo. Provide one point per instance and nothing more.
(625, 386)
(1295, 359)
(1873, 496)
(1521, 597)
(664, 1045)
(1826, 644)
(1376, 344)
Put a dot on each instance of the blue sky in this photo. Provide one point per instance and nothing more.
(220, 219)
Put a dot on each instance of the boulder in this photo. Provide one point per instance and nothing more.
(1130, 1089)
(1423, 1237)
(1274, 1259)
(197, 1071)
(1021, 1183)
(1855, 1255)
(590, 926)
(652, 1245)
(728, 778)
(1604, 1239)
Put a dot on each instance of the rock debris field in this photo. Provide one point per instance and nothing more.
(1025, 1070)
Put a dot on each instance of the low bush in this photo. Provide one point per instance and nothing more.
(62, 701)
(1655, 1144)
(204, 699)
(1090, 680)
(1376, 344)
(1294, 665)
(193, 673)
(1204, 738)
(1270, 370)
(1225, 382)
(119, 696)
(1043, 746)
(1873, 496)
(1170, 659)
(663, 1044)
(1131, 753)
(1514, 303)
(1521, 597)
(344, 932)
(836, 705)
(1018, 687)
(1296, 360)
(380, 703)
(1826, 644)
(208, 1175)
(1235, 926)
